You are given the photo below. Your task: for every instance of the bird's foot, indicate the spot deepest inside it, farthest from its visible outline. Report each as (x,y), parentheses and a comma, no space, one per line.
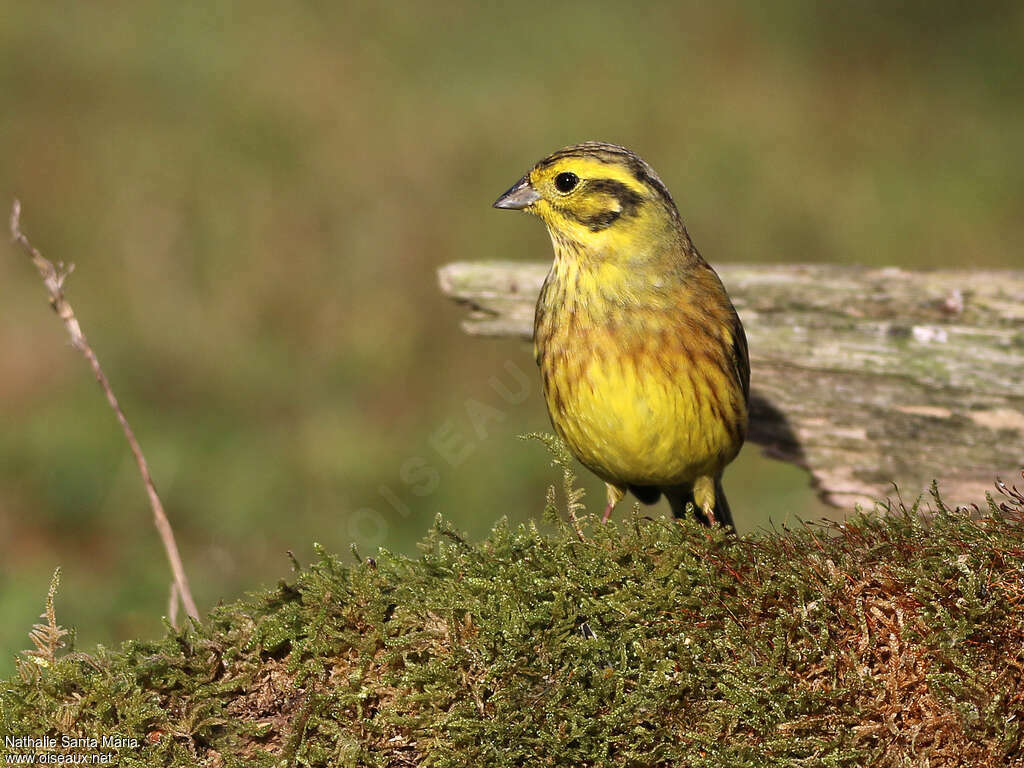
(607,513)
(615,494)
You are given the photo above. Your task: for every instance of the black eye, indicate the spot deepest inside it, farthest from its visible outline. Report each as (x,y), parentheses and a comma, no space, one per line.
(565,182)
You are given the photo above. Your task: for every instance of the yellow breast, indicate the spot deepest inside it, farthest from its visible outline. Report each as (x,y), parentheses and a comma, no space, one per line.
(639,391)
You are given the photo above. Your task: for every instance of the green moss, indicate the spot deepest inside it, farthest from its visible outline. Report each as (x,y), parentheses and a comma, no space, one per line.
(650,642)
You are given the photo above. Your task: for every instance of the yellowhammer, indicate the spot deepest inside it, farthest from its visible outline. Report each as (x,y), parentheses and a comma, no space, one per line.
(643,357)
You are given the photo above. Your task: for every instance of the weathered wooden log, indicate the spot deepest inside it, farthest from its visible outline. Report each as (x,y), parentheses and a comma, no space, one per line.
(866,377)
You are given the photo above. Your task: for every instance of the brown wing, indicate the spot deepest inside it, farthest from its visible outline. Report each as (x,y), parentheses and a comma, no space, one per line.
(740,356)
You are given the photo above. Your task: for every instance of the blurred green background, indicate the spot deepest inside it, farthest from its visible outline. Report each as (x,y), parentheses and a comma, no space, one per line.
(257,195)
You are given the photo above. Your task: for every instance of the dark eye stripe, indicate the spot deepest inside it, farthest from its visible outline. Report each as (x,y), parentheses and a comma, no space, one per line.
(629,201)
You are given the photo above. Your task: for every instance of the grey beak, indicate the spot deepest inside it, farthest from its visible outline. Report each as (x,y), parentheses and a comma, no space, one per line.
(520,195)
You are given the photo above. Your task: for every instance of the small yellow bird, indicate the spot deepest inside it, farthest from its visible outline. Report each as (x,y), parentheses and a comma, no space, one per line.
(643,357)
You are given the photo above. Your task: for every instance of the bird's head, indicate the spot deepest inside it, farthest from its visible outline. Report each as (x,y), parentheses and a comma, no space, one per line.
(599,197)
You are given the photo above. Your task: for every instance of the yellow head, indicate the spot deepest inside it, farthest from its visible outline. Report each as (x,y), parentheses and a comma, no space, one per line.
(600,200)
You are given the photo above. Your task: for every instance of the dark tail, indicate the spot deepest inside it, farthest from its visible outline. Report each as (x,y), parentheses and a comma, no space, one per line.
(682,495)
(723,514)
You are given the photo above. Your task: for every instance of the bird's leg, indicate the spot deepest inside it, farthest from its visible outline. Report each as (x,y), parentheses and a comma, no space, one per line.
(615,494)
(704,498)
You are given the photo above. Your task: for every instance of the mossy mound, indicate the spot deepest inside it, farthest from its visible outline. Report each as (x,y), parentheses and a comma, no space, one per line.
(889,640)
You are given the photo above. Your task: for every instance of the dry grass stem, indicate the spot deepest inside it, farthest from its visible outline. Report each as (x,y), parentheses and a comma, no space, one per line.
(53,278)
